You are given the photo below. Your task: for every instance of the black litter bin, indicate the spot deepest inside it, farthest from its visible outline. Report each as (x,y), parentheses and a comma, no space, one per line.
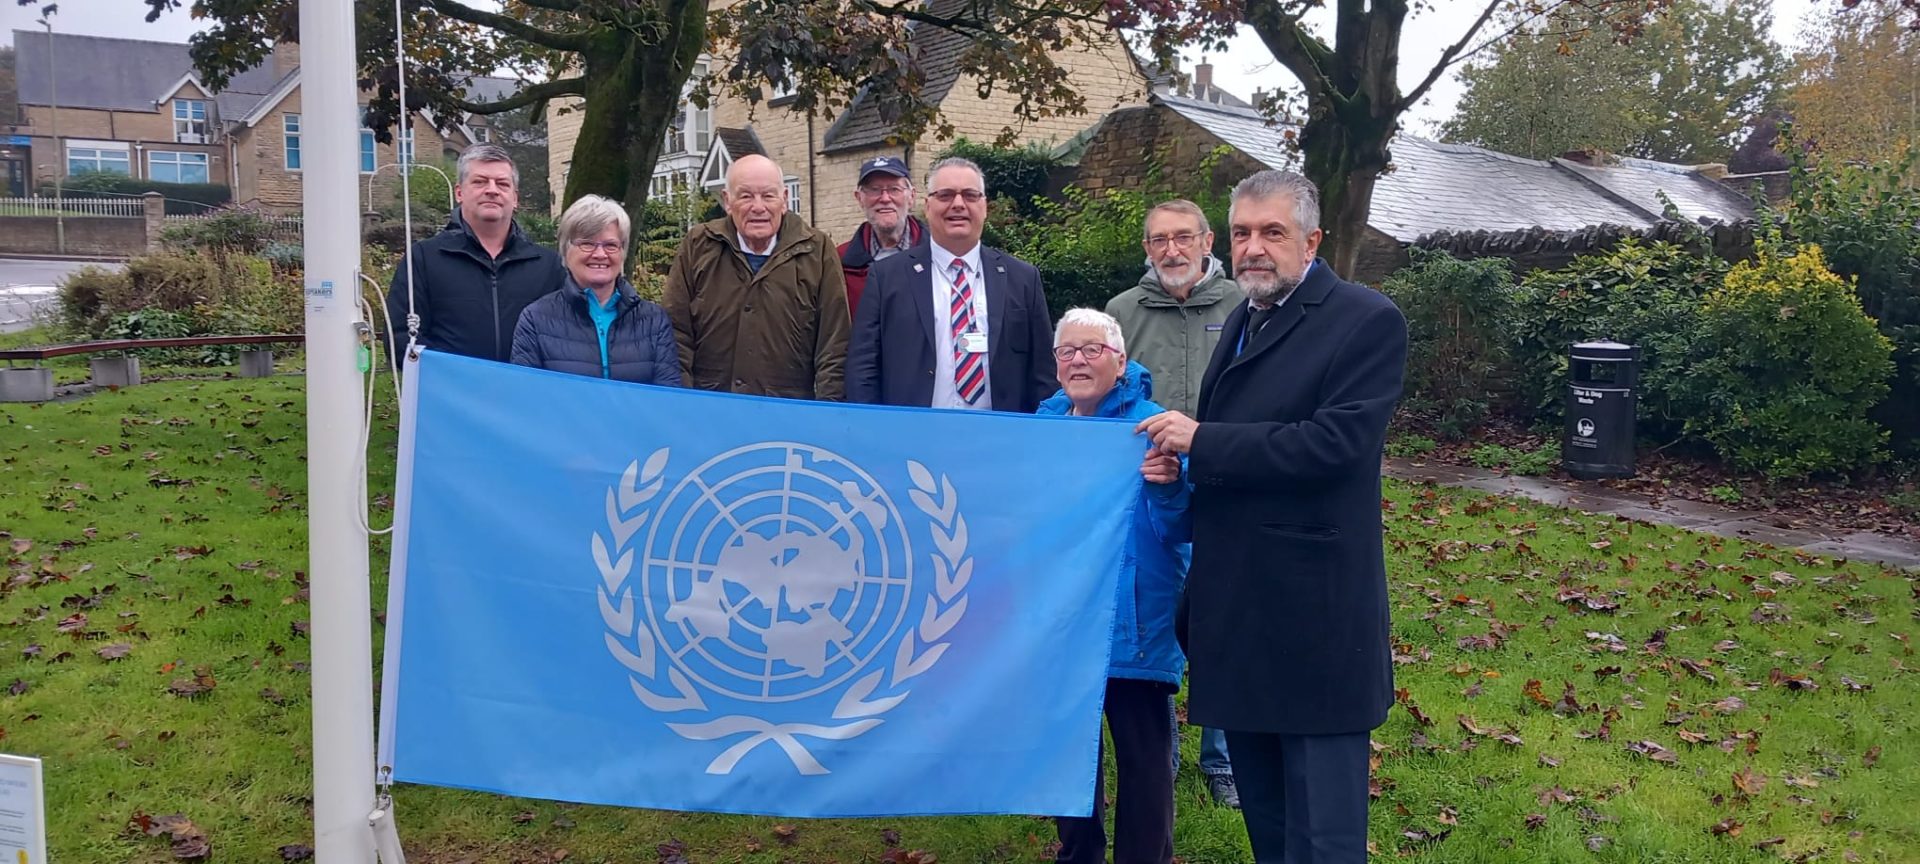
(1600,409)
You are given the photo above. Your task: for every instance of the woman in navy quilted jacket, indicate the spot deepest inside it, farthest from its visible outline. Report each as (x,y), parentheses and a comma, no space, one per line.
(595,324)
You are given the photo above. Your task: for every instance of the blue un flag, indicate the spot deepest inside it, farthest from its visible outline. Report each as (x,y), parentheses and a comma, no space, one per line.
(619,594)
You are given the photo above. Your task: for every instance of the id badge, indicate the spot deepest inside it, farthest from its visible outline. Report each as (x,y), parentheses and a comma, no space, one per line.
(973,342)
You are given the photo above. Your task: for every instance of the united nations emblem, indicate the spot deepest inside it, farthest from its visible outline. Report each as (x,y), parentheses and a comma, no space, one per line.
(778,575)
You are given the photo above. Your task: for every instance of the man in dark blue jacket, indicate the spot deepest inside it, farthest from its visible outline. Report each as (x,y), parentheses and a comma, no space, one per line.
(471,280)
(1286,612)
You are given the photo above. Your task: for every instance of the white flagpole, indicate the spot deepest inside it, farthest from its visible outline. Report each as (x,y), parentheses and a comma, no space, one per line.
(342,634)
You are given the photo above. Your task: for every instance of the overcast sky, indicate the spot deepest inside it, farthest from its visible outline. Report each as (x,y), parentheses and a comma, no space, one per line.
(1244,67)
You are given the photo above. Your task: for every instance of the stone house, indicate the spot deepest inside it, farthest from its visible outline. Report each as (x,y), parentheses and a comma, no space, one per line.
(821,158)
(1434,190)
(137,108)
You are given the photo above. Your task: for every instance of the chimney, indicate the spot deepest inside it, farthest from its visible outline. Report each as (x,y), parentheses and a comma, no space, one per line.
(286,57)
(1202,79)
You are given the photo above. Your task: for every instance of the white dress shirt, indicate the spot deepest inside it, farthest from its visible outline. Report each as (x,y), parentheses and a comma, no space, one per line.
(946,392)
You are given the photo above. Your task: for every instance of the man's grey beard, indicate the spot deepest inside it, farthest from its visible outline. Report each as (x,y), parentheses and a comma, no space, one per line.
(1267,295)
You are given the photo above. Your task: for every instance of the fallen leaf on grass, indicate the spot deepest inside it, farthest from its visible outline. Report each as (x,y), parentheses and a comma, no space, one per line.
(18,687)
(1653,750)
(201,682)
(1730,705)
(1770,841)
(671,852)
(75,623)
(296,852)
(1692,737)
(1855,686)
(523,817)
(116,651)
(1728,827)
(786,834)
(889,837)
(1597,842)
(1548,761)
(1796,683)
(1749,781)
(1420,836)
(1536,821)
(1798,782)
(1556,795)
(1725,645)
(31,651)
(1872,756)
(184,553)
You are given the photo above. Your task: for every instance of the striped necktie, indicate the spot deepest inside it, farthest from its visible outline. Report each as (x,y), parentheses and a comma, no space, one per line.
(969,367)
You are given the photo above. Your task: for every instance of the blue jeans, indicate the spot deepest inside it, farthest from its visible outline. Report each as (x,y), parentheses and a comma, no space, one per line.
(1213,751)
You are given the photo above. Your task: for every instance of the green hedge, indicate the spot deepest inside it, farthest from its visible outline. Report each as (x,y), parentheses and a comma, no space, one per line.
(183,199)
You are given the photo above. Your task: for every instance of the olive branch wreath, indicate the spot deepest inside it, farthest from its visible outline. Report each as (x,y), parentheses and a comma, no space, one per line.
(629,506)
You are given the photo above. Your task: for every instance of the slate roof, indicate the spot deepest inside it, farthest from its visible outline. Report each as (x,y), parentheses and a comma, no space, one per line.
(120,74)
(939,50)
(739,142)
(487,88)
(1457,187)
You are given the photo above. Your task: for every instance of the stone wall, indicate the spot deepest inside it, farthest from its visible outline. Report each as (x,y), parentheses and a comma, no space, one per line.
(94,236)
(1133,141)
(106,236)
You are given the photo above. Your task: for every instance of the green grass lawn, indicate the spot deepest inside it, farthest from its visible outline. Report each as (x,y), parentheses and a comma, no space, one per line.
(1576,688)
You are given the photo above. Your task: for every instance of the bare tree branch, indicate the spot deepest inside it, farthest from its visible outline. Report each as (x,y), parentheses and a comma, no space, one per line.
(513,27)
(526,96)
(1301,52)
(1449,57)
(554,5)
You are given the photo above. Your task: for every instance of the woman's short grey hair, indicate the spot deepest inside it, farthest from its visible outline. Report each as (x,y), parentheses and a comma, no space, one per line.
(484,153)
(1108,326)
(591,215)
(958,162)
(1178,205)
(1267,184)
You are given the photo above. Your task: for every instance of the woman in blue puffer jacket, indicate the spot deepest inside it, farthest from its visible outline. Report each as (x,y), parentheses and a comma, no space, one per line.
(595,324)
(1097,380)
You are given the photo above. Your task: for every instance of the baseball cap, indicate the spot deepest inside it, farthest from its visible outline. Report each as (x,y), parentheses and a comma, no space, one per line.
(882,165)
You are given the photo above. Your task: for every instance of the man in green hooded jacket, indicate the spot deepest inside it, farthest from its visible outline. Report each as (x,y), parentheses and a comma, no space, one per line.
(1171,321)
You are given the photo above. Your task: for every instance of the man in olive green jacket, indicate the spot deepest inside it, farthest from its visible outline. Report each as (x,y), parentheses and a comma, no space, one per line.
(1172,320)
(1173,317)
(757,298)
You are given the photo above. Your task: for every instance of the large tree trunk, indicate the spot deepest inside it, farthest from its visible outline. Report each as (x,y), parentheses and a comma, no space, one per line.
(1344,158)
(633,92)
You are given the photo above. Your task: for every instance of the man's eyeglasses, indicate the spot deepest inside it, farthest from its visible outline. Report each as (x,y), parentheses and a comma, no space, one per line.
(946,196)
(587,247)
(1183,240)
(1091,351)
(901,191)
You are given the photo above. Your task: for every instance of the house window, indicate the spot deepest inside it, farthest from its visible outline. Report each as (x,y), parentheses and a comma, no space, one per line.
(169,167)
(189,121)
(290,127)
(793,194)
(481,134)
(99,159)
(405,143)
(676,141)
(702,129)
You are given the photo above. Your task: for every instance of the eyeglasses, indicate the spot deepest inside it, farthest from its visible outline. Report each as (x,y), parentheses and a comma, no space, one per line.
(1183,240)
(1091,351)
(946,196)
(587,247)
(900,191)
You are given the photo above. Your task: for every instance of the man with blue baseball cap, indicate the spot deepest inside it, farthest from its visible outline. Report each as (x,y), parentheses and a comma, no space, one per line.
(884,193)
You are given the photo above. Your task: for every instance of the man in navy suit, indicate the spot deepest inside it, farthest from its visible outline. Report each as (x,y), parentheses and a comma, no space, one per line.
(953,324)
(1286,606)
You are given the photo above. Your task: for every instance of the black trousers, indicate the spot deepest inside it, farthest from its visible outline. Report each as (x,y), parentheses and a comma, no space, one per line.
(1304,797)
(1139,716)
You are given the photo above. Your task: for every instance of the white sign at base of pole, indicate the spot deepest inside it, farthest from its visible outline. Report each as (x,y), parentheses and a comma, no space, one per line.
(23,811)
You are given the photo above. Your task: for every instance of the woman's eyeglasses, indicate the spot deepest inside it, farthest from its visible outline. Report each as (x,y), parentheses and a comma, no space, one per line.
(1091,351)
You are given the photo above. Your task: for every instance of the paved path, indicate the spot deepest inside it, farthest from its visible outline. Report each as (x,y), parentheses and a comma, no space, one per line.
(1691,515)
(28,288)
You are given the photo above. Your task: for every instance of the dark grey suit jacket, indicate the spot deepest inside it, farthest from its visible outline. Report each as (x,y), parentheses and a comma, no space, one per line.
(890,359)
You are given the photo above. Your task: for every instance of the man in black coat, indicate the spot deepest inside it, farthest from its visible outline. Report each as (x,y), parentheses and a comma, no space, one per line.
(1286,612)
(471,280)
(953,323)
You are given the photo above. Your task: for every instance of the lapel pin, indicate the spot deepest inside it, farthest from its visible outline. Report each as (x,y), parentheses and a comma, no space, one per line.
(998,269)
(919,269)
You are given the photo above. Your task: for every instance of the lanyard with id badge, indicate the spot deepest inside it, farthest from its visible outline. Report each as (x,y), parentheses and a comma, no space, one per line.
(974,340)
